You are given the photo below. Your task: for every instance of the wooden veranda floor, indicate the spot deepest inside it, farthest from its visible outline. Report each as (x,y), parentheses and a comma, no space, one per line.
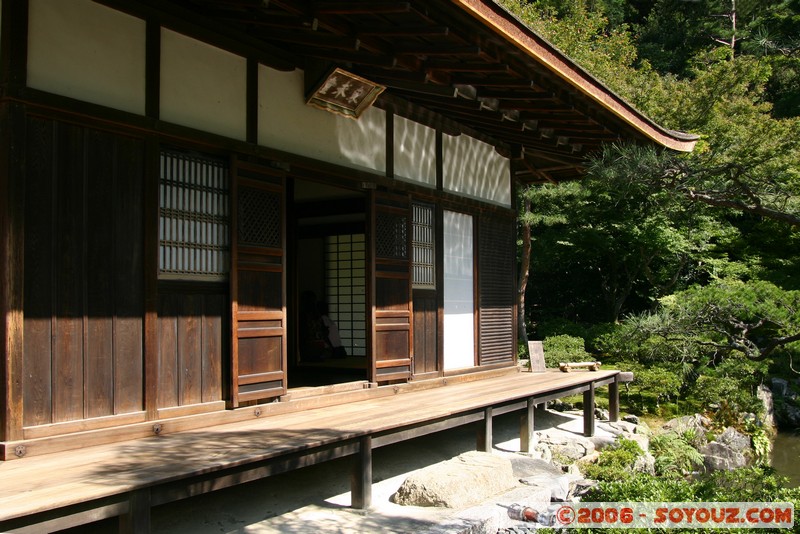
(126,479)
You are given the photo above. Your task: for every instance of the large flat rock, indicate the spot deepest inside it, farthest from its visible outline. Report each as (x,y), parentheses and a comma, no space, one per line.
(467,479)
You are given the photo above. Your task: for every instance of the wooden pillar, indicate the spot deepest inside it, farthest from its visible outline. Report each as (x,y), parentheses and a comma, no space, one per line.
(13,74)
(361,477)
(12,216)
(588,411)
(137,520)
(613,400)
(485,431)
(526,427)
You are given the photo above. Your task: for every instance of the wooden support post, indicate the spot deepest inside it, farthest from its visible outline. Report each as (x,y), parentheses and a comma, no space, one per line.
(588,411)
(613,400)
(485,431)
(137,520)
(361,477)
(526,427)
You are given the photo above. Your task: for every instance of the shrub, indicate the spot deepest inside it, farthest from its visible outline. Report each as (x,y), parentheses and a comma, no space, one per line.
(564,348)
(615,462)
(675,456)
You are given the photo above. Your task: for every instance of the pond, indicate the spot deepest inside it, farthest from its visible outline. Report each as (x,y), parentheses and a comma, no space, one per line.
(785,457)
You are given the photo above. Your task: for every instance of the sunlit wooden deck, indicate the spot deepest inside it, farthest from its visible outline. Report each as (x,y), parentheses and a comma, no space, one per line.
(125,479)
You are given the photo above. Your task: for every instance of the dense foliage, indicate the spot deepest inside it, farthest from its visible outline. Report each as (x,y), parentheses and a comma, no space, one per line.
(681,268)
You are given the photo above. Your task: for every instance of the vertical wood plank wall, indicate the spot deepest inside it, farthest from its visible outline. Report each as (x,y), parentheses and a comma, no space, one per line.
(192,328)
(426,323)
(83,287)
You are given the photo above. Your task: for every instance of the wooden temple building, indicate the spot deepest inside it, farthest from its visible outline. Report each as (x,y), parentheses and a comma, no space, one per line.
(183,181)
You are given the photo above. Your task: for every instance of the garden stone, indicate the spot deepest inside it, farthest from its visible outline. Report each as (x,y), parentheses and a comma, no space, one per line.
(696,423)
(735,440)
(601,442)
(720,457)
(642,440)
(631,419)
(624,426)
(765,396)
(568,447)
(602,414)
(467,479)
(645,463)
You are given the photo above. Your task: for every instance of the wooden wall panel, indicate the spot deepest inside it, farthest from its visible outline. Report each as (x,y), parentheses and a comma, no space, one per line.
(189,345)
(68,372)
(168,312)
(84,275)
(259,355)
(128,281)
(425,331)
(38,283)
(211,351)
(100,270)
(192,343)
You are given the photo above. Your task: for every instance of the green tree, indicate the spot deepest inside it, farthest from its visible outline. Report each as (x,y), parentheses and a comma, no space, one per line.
(754,319)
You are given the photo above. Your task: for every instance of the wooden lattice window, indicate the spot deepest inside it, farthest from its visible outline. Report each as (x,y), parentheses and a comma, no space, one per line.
(391,236)
(194,219)
(422,245)
(259,217)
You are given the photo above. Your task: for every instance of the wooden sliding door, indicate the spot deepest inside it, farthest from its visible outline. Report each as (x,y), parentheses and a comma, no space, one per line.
(391,298)
(258,284)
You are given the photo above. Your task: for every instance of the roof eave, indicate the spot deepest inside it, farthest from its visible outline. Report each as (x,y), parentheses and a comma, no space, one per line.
(515,32)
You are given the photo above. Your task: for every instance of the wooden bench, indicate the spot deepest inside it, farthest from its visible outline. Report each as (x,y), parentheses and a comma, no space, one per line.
(126,479)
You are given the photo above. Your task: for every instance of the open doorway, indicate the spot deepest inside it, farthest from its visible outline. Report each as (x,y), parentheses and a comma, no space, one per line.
(328,279)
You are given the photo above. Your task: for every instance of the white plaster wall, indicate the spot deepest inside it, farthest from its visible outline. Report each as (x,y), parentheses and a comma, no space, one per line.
(474,169)
(86,51)
(286,123)
(459,326)
(414,152)
(202,86)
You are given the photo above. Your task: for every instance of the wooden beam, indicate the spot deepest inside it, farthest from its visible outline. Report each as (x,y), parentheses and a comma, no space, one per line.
(361,478)
(501,94)
(312,38)
(358,58)
(613,400)
(405,31)
(12,221)
(434,50)
(485,437)
(444,91)
(472,66)
(588,411)
(152,70)
(137,519)
(494,81)
(526,427)
(13,45)
(361,8)
(150,337)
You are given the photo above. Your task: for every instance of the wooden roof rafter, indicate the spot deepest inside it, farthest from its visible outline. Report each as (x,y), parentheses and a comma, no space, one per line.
(469,61)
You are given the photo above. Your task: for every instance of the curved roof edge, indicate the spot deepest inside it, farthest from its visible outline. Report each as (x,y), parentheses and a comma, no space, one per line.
(514,31)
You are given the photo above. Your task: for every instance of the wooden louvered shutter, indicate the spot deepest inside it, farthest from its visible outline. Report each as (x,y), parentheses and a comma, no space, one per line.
(496,290)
